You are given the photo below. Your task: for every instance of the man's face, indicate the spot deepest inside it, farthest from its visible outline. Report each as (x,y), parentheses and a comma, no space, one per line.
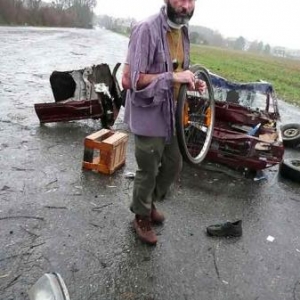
(180,11)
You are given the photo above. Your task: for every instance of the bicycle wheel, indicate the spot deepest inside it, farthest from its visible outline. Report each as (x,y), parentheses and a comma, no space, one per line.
(195,118)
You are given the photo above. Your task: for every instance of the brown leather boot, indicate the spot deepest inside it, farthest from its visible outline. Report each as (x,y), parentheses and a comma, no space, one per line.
(156,215)
(142,226)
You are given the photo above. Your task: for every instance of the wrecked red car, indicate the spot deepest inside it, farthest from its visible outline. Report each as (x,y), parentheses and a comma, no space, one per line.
(233,123)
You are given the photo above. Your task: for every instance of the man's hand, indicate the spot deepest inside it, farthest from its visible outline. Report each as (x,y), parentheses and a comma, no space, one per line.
(193,83)
(200,86)
(184,77)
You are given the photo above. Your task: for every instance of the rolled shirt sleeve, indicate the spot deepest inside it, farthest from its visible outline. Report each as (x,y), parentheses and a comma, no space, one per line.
(144,56)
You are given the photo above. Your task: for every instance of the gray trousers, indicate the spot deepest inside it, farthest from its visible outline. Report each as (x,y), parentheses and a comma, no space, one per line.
(158,166)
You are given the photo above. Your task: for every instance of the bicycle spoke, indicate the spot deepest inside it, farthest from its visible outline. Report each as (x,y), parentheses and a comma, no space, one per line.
(195,120)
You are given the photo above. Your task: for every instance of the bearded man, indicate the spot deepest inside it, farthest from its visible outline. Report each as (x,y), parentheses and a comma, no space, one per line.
(157,64)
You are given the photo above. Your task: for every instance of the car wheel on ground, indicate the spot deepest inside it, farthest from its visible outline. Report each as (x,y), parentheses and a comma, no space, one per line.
(290,169)
(290,134)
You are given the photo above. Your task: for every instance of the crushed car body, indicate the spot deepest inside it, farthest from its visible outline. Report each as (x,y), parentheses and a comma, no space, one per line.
(88,93)
(245,135)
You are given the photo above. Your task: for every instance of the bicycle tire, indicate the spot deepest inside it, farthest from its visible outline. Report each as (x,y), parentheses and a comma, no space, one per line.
(194,128)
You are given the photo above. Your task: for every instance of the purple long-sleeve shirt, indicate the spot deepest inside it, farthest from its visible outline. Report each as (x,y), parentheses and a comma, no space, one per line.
(150,111)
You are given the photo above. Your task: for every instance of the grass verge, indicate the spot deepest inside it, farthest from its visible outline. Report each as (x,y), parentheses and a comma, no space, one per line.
(282,73)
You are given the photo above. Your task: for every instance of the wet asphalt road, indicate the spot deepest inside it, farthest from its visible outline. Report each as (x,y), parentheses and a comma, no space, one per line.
(56,217)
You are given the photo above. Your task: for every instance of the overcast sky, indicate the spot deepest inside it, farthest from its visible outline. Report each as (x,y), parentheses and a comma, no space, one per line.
(276,22)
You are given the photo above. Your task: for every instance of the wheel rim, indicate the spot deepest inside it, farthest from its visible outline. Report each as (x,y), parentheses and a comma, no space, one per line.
(291,132)
(198,129)
(195,127)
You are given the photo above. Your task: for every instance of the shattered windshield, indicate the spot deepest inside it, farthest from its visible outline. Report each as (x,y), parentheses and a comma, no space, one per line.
(253,94)
(252,99)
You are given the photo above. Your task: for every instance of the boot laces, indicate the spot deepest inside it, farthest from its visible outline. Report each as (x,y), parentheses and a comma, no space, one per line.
(144,224)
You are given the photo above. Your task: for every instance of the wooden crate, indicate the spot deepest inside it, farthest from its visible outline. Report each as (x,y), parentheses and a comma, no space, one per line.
(111,151)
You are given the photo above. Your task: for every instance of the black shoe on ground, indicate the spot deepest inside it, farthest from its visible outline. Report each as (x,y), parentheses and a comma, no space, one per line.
(227,229)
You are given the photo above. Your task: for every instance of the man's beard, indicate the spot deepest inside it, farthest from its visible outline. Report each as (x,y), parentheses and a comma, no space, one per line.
(178,18)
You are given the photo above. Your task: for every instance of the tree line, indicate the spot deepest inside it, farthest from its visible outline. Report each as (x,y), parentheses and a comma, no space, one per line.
(198,35)
(58,13)
(206,36)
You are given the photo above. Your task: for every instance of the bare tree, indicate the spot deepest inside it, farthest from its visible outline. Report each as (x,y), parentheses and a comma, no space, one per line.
(33,4)
(240,43)
(78,13)
(62,4)
(88,3)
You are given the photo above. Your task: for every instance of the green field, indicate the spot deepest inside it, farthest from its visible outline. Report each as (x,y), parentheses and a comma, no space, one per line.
(283,74)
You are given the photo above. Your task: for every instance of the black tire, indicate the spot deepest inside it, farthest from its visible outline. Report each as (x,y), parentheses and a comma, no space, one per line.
(290,134)
(116,90)
(290,169)
(193,133)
